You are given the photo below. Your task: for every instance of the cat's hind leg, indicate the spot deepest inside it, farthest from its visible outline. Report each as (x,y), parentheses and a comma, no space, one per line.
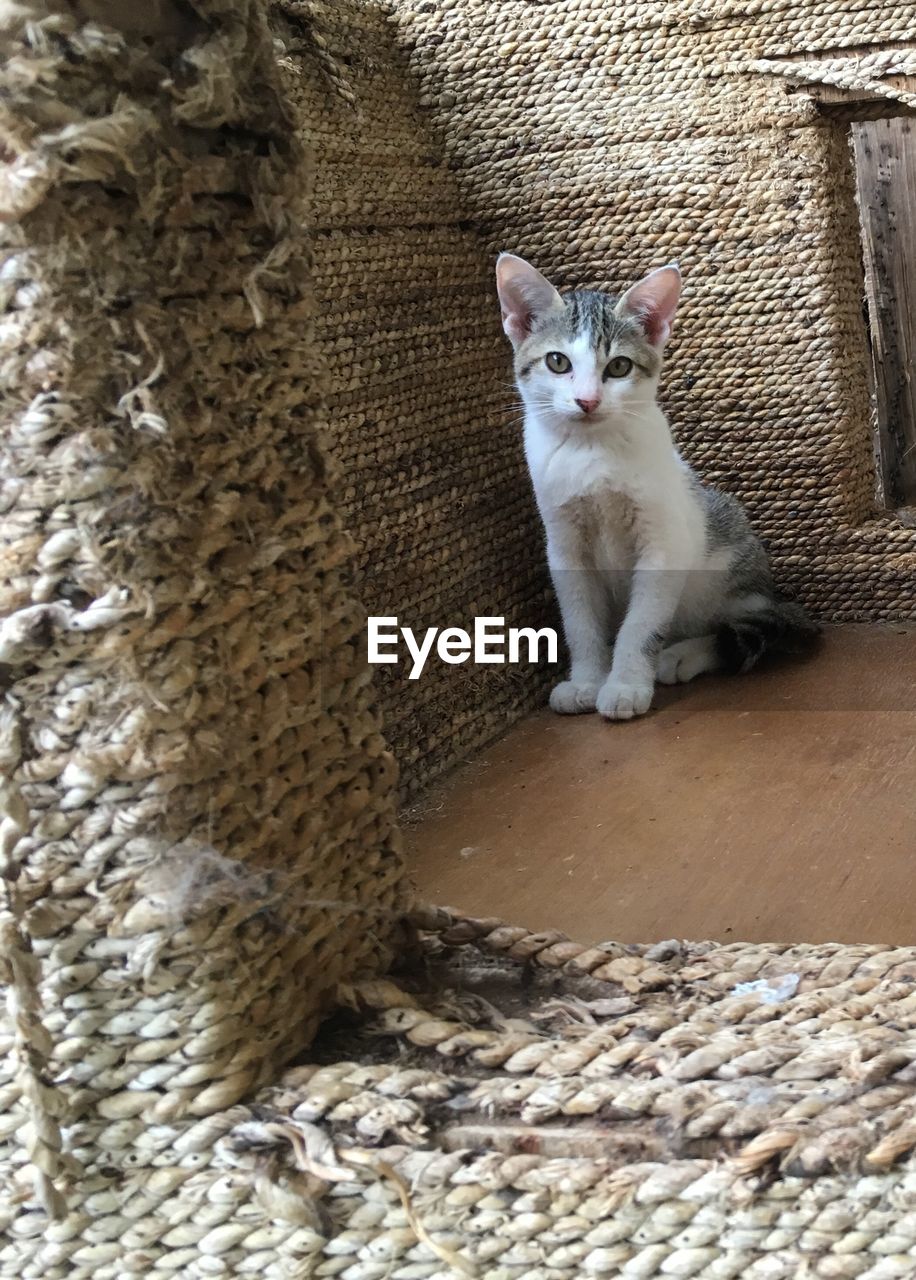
(687,659)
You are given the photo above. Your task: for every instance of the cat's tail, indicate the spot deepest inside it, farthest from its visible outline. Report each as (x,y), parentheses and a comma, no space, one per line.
(780,628)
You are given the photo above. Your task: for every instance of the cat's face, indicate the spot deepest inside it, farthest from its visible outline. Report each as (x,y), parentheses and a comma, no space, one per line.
(585,359)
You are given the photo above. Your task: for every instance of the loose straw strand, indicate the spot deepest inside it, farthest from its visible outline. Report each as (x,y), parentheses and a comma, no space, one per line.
(21,973)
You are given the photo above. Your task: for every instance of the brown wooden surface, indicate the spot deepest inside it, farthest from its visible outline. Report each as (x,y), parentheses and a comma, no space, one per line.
(777,806)
(859,104)
(885,153)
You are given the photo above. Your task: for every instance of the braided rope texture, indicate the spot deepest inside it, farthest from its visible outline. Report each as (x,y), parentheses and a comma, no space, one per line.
(540,1110)
(518,1106)
(197,837)
(426,428)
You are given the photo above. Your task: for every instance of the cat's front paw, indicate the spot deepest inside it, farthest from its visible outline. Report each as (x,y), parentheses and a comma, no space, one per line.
(618,700)
(574,697)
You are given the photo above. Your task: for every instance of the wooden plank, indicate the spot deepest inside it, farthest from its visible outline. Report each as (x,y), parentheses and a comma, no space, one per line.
(829,95)
(775,806)
(885,152)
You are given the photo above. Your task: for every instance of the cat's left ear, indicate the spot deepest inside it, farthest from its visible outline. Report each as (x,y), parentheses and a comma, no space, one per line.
(653,302)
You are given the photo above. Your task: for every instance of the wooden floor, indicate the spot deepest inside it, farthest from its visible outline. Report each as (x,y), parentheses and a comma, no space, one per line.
(780,806)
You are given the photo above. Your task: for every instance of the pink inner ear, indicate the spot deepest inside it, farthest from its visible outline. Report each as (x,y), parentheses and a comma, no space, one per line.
(516,321)
(656,322)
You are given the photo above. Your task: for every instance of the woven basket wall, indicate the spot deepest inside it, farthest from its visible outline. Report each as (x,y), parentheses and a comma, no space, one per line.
(599,140)
(198,838)
(434,487)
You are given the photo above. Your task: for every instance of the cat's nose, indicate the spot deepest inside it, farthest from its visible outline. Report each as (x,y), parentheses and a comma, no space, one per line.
(588,406)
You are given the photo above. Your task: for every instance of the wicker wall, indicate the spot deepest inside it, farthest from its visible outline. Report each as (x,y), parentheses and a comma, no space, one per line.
(198,839)
(434,485)
(601,140)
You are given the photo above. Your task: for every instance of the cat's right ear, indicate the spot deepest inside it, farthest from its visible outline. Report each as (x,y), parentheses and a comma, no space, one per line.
(524,296)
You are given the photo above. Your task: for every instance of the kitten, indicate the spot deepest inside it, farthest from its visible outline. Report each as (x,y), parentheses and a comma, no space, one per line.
(634,539)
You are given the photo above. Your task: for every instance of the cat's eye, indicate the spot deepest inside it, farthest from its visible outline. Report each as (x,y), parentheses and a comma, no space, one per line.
(556,362)
(619,367)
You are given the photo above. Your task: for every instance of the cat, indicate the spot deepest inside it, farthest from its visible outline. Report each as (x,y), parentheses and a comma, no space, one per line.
(634,539)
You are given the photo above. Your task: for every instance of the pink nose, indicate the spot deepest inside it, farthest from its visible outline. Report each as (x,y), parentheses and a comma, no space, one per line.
(588,405)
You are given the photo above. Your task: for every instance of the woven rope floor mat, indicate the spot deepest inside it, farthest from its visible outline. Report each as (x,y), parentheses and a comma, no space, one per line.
(521,1106)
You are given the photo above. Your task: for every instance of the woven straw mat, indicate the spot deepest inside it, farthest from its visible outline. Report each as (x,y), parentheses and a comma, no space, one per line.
(197,838)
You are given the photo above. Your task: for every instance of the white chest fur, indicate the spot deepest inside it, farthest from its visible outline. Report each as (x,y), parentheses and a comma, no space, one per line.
(607,497)
(589,498)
